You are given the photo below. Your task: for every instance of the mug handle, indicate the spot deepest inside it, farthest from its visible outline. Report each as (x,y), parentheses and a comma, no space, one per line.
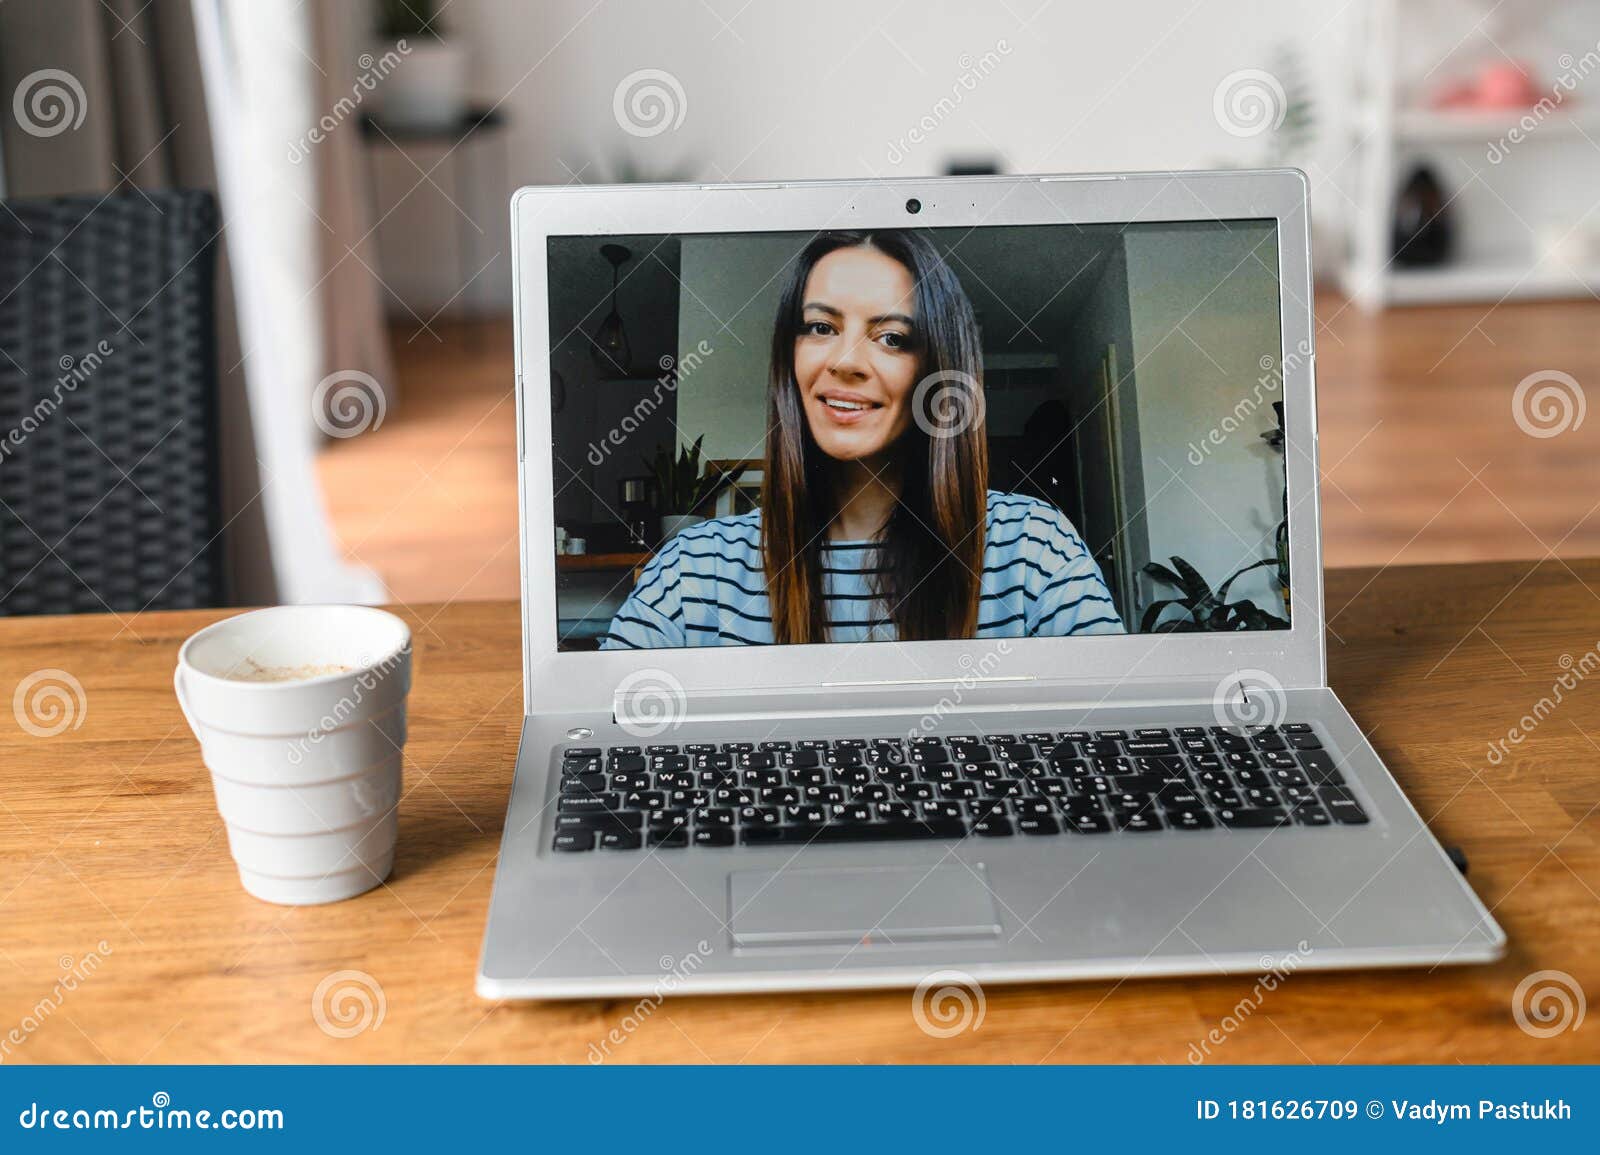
(183,704)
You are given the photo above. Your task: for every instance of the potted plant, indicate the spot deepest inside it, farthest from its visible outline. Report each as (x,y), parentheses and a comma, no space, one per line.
(681,487)
(1202,608)
(428,89)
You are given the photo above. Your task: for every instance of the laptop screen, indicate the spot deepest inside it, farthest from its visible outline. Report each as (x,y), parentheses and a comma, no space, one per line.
(912,434)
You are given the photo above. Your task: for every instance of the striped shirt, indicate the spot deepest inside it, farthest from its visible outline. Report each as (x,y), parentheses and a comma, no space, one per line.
(706,586)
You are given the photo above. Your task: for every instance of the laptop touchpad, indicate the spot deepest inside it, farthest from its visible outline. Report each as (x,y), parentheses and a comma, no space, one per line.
(814,906)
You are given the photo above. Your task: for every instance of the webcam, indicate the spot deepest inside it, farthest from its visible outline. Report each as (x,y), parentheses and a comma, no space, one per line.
(913,205)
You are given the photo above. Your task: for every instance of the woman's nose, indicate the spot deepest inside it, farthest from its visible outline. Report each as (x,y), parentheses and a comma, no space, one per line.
(848,359)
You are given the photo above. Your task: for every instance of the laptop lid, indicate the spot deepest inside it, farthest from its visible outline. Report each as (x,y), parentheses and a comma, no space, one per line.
(709,376)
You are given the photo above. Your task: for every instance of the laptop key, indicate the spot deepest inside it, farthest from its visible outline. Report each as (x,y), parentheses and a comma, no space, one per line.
(1310,814)
(1138,783)
(620,840)
(582,839)
(1038,824)
(1140,823)
(1087,822)
(1253,818)
(993,827)
(666,836)
(589,803)
(718,835)
(1342,805)
(1319,767)
(862,832)
(1190,818)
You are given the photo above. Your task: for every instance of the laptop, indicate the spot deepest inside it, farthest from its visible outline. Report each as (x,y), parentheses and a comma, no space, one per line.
(923,577)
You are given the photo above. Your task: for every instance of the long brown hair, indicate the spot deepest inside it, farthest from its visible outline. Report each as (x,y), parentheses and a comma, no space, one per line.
(930,556)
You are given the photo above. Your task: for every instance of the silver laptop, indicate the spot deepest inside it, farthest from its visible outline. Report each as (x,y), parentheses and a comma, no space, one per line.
(924,576)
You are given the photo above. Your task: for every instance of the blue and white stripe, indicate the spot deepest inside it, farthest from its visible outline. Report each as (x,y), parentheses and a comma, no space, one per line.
(706,586)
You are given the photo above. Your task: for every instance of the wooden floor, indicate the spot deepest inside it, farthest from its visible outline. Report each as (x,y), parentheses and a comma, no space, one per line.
(1423,457)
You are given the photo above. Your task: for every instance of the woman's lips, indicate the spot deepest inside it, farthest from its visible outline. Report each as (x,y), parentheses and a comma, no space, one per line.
(846,410)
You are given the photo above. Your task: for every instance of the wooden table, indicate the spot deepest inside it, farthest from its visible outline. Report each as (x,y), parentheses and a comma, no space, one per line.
(108,833)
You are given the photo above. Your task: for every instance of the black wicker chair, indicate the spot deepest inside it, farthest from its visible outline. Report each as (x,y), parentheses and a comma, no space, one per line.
(109,482)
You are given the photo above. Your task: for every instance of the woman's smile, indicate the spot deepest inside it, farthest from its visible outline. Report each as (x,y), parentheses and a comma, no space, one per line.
(846,408)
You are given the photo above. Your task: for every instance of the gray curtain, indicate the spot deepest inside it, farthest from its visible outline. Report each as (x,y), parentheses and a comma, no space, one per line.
(355,332)
(144,126)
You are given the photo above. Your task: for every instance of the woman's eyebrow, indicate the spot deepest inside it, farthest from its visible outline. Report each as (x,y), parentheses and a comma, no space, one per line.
(877,320)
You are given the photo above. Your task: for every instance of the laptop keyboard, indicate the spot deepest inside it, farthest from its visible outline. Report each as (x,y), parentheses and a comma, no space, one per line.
(831,790)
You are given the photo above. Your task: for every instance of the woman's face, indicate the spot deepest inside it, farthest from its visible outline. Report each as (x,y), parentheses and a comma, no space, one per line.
(855,359)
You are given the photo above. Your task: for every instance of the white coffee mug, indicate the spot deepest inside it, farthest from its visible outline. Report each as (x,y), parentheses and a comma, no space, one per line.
(301,716)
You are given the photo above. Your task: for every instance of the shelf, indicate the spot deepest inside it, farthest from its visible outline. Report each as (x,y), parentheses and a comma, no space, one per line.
(1484,282)
(1424,125)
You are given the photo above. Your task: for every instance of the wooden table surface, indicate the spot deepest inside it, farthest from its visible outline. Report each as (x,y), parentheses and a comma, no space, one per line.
(108,835)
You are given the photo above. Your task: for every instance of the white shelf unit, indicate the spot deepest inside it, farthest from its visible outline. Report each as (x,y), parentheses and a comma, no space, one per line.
(1509,213)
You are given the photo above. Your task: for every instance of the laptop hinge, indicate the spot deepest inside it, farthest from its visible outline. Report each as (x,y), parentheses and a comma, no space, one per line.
(667,704)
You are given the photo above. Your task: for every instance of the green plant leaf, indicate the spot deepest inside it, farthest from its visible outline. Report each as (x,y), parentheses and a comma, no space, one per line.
(1162,574)
(1194,585)
(1152,614)
(1222,590)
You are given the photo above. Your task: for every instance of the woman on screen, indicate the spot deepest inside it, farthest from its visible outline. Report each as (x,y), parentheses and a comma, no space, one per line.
(876,521)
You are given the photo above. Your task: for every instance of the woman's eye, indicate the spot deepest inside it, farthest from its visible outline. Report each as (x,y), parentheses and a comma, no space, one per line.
(816,328)
(893,340)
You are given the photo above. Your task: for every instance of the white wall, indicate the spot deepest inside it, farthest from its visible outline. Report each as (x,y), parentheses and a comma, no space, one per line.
(834,88)
(1205,314)
(736,282)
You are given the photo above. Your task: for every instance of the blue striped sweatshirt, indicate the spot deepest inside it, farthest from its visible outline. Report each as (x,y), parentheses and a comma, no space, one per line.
(706,585)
